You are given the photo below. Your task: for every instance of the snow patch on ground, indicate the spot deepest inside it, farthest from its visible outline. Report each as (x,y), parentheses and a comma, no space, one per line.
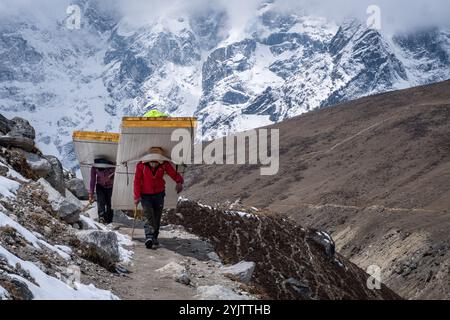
(15,175)
(3,293)
(50,288)
(8,188)
(126,256)
(30,237)
(6,221)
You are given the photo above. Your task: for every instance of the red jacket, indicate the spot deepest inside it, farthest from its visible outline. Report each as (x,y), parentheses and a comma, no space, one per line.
(149,180)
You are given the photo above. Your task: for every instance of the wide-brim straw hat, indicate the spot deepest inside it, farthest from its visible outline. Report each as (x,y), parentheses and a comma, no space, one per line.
(103,165)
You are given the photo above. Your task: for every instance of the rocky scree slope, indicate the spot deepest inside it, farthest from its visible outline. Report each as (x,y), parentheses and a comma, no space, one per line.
(291,262)
(43,252)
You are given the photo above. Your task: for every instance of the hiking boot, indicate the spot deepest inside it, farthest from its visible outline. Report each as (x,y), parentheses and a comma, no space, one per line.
(149,243)
(155,242)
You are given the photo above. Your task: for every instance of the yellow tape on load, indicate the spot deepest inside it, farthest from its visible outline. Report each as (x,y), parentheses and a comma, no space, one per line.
(95,136)
(180,122)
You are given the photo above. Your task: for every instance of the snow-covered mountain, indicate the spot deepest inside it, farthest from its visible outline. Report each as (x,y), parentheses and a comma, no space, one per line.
(280,65)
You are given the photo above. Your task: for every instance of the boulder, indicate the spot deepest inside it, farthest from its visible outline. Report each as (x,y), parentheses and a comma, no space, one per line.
(176,272)
(17,141)
(5,124)
(301,288)
(56,174)
(242,271)
(218,292)
(77,202)
(40,166)
(76,186)
(67,210)
(214,257)
(22,128)
(105,243)
(324,240)
(121,218)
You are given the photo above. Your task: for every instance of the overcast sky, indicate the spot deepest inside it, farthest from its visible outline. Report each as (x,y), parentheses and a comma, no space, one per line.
(396,15)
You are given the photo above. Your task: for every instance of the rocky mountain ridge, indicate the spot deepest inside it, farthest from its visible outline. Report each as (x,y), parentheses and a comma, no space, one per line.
(281,65)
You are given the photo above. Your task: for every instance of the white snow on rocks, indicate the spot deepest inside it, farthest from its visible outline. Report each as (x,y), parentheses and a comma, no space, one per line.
(50,288)
(241,214)
(30,237)
(6,221)
(125,256)
(90,224)
(41,285)
(15,175)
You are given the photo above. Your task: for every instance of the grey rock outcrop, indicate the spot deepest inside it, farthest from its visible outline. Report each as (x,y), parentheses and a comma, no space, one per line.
(40,166)
(76,186)
(17,141)
(56,174)
(17,133)
(105,243)
(67,210)
(22,128)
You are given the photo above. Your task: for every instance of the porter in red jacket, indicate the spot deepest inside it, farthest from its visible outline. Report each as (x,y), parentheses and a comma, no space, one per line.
(149,189)
(149,178)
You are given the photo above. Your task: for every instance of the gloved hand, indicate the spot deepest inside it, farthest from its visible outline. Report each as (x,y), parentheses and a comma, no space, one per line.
(179,187)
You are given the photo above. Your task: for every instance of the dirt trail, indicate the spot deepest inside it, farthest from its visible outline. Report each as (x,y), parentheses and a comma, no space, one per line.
(298,204)
(146,283)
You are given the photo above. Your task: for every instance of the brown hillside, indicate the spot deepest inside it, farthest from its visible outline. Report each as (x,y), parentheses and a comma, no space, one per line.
(375,172)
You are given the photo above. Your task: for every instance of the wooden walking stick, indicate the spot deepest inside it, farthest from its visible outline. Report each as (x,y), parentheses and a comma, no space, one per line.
(134,221)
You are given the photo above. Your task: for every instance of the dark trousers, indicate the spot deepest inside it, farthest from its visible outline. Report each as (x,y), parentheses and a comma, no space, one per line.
(153,205)
(104,203)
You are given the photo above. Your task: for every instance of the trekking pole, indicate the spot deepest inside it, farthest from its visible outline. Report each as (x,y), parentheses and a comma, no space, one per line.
(134,221)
